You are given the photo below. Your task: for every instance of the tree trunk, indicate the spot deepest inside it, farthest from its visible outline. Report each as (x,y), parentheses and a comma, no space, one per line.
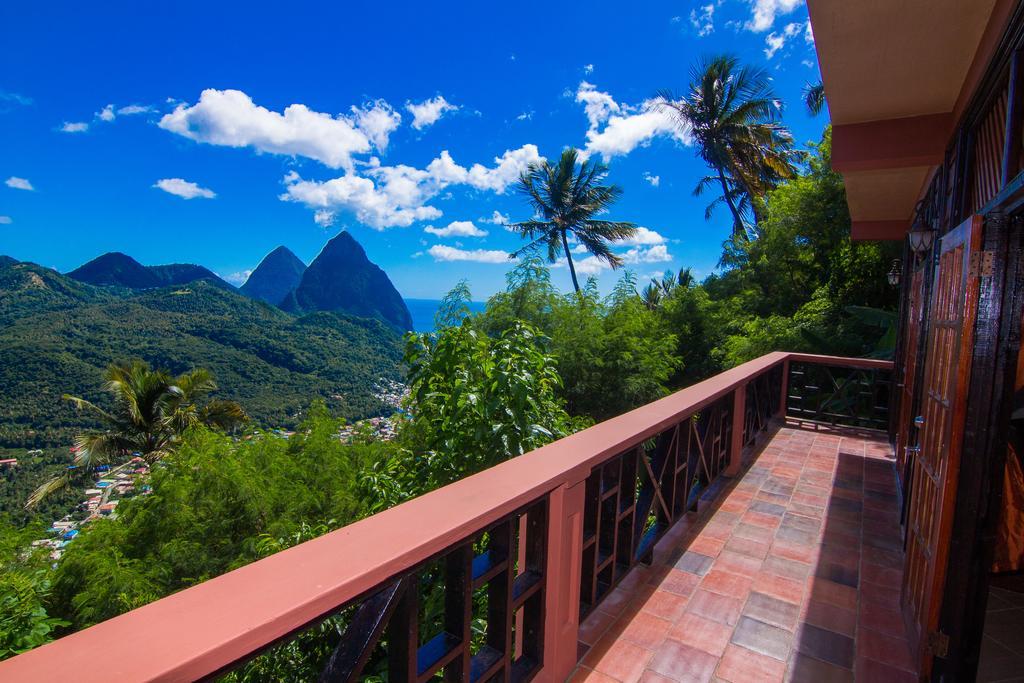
(737,226)
(568,257)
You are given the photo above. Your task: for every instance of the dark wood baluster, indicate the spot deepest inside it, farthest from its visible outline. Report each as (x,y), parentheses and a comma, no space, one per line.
(458,609)
(404,633)
(361,636)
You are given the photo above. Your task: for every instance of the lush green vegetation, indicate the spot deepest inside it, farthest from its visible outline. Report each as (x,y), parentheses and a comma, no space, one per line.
(58,335)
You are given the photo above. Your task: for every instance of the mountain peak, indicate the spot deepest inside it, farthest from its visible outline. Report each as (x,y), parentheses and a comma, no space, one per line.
(115,268)
(341,278)
(275,277)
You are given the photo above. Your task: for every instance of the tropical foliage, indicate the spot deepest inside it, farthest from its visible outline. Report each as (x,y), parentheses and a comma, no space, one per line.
(151,410)
(733,116)
(565,198)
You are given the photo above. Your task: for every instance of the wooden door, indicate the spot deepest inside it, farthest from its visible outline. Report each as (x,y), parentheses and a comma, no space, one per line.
(908,385)
(951,316)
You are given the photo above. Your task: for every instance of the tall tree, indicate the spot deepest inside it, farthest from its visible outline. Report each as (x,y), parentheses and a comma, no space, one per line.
(733,115)
(151,410)
(565,198)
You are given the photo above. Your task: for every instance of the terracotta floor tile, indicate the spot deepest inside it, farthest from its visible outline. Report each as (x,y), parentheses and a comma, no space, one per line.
(585,675)
(680,583)
(740,665)
(623,661)
(804,669)
(746,546)
(763,638)
(594,626)
(707,546)
(735,563)
(683,663)
(694,563)
(645,630)
(790,569)
(826,645)
(868,671)
(754,532)
(651,677)
(664,604)
(827,615)
(885,649)
(725,583)
(790,590)
(720,608)
(703,634)
(833,593)
(873,592)
(880,617)
(772,610)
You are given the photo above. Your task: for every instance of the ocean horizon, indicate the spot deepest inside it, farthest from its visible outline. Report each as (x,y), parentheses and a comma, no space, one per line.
(424,310)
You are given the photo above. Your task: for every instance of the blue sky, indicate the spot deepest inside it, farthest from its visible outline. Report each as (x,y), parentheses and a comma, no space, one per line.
(212,132)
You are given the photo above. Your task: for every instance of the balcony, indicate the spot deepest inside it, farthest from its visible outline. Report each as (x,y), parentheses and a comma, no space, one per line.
(744,528)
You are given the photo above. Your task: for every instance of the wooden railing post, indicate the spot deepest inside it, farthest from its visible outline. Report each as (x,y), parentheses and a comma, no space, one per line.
(562,601)
(739,417)
(784,390)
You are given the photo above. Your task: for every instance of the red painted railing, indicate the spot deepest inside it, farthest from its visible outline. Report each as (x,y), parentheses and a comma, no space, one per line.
(540,513)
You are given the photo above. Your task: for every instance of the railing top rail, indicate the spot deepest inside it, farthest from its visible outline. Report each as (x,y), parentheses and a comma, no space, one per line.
(204,628)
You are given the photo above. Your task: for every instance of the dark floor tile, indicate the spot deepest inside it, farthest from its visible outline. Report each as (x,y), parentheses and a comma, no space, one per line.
(806,669)
(768,508)
(695,563)
(771,610)
(801,523)
(763,638)
(838,572)
(825,645)
(790,569)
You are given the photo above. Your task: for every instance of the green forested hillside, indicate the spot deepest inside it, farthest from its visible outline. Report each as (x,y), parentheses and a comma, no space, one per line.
(57,335)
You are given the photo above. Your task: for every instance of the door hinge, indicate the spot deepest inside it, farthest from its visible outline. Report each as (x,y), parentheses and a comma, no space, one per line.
(981,264)
(938,643)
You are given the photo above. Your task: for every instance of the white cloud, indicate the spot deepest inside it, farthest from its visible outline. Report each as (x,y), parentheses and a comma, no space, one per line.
(107,114)
(238,278)
(625,127)
(428,112)
(654,180)
(74,127)
(441,252)
(457,229)
(776,41)
(655,254)
(525,116)
(643,237)
(134,109)
(497,218)
(703,21)
(398,196)
(184,188)
(765,12)
(19,183)
(597,105)
(588,69)
(377,120)
(230,118)
(809,34)
(5,220)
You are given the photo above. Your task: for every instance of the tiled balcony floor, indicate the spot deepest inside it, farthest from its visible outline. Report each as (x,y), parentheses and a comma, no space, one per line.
(792,574)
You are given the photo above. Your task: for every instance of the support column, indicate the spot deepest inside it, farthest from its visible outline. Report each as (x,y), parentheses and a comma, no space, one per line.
(562,598)
(784,390)
(739,414)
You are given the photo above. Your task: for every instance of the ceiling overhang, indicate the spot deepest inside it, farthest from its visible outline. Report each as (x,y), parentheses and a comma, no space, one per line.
(895,77)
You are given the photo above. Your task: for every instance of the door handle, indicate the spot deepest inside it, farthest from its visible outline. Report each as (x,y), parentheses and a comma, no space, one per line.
(919,421)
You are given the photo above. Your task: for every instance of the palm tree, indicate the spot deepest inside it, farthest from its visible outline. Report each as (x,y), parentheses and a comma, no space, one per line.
(565,198)
(651,295)
(151,410)
(732,114)
(814,97)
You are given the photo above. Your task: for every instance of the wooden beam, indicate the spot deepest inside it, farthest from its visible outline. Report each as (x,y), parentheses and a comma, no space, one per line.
(878,230)
(891,143)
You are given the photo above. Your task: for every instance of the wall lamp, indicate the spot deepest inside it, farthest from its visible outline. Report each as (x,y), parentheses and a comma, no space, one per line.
(893,276)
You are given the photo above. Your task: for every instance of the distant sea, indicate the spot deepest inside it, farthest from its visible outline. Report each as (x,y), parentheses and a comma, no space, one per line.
(423,311)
